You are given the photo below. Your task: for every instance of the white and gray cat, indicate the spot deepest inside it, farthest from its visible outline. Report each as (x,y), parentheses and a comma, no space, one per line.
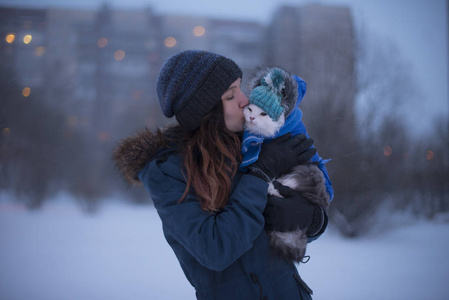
(307,178)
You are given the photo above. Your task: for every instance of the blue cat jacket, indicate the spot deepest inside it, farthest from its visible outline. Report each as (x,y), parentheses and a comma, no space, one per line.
(252,143)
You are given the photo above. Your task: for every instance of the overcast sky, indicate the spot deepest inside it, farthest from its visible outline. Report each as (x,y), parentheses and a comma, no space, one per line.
(418,26)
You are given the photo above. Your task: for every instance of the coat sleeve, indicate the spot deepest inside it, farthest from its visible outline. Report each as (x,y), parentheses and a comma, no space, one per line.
(215,240)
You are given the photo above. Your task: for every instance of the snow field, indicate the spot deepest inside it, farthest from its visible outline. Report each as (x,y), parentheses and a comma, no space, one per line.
(59,253)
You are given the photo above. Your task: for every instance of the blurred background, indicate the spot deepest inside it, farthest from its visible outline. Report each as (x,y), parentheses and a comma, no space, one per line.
(76,77)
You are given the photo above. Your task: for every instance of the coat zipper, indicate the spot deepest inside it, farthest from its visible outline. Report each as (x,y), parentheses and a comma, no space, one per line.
(255,279)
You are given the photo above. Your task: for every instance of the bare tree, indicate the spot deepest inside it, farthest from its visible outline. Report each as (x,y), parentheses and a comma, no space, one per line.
(383,154)
(31,133)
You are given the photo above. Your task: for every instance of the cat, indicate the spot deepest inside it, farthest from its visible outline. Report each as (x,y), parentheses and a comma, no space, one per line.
(277,87)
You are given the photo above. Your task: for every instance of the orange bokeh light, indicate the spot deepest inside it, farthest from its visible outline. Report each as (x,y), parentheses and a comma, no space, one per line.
(6,132)
(199,31)
(10,38)
(170,42)
(26,92)
(119,55)
(102,42)
(388,150)
(39,51)
(27,39)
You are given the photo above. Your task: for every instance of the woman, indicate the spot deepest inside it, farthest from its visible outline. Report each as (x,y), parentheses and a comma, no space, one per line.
(212,214)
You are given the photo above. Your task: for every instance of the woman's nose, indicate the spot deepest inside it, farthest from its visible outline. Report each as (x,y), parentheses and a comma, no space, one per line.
(244,102)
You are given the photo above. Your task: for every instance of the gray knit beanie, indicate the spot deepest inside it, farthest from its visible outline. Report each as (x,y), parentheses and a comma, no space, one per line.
(192,82)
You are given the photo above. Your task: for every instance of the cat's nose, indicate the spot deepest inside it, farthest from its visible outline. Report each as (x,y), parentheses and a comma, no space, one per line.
(251,118)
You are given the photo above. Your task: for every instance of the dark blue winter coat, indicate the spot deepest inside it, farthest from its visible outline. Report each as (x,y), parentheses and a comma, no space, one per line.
(224,255)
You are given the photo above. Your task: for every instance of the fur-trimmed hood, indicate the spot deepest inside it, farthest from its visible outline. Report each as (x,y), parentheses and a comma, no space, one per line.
(131,154)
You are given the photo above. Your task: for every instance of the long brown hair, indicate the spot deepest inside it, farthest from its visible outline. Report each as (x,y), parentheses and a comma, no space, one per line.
(211,157)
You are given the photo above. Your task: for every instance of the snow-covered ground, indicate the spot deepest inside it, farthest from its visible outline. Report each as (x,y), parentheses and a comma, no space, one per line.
(59,253)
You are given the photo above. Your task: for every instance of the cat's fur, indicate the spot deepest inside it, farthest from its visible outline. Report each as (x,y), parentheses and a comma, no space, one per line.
(307,178)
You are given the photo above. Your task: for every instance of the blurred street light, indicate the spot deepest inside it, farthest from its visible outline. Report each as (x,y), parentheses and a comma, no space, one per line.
(27,39)
(199,31)
(387,150)
(429,154)
(170,42)
(102,42)
(39,51)
(26,92)
(10,38)
(119,55)
(6,132)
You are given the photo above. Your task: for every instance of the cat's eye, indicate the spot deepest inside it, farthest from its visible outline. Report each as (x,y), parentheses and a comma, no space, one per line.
(263,114)
(250,109)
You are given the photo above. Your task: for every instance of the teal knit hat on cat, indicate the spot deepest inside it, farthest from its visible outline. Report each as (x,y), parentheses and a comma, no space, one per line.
(268,95)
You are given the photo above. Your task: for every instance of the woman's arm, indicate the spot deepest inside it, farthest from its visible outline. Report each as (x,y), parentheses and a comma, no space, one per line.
(216,240)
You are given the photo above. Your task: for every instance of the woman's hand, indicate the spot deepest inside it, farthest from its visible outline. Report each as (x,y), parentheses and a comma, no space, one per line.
(292,212)
(282,154)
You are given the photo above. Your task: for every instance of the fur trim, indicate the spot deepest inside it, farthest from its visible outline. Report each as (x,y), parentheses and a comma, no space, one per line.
(289,245)
(290,92)
(309,180)
(132,154)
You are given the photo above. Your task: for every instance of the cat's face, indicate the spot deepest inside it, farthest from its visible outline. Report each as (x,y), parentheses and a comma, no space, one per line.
(259,122)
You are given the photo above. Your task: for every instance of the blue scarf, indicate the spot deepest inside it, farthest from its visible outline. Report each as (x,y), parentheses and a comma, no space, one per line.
(252,143)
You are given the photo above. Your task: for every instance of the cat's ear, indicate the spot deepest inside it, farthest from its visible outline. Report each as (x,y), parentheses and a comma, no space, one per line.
(256,78)
(290,94)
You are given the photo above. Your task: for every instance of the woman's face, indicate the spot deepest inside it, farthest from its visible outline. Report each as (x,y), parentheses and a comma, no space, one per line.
(233,103)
